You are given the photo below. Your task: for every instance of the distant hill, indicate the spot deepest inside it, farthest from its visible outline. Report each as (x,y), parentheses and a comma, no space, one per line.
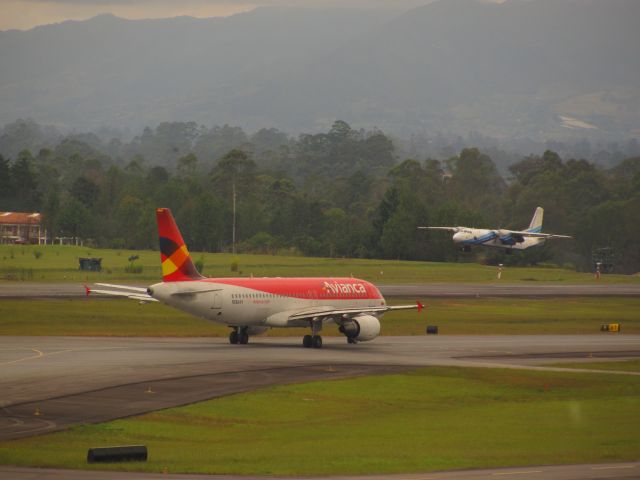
(540,68)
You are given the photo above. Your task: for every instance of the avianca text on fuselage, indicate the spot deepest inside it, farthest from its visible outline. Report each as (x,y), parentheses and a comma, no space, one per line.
(352,288)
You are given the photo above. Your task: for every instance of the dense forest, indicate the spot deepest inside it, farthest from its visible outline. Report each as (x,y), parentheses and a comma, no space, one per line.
(340,193)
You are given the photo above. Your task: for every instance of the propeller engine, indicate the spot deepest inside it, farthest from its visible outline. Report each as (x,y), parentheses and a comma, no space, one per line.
(509,238)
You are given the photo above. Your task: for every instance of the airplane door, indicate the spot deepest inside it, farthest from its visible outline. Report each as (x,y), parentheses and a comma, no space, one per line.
(217,300)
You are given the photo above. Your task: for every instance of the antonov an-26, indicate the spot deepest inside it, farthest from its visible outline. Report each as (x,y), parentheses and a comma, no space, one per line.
(465,237)
(250,306)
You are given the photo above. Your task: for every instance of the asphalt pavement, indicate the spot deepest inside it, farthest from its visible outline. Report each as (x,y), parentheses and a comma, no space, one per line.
(427,290)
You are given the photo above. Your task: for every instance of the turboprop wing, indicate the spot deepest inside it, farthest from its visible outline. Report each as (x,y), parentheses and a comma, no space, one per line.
(447,229)
(525,233)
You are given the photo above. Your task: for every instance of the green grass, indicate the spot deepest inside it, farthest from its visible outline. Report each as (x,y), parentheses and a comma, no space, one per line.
(577,315)
(120,317)
(624,365)
(60,263)
(433,419)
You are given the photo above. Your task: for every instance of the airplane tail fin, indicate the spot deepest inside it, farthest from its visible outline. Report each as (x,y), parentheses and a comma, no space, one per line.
(176,261)
(536,222)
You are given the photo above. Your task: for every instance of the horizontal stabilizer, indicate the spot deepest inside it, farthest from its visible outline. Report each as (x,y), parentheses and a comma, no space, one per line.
(123,287)
(125,292)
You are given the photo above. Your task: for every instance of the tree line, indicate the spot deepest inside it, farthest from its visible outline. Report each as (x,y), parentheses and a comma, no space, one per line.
(340,193)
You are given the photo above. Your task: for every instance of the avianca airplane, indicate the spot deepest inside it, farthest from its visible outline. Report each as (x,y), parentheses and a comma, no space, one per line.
(250,306)
(465,237)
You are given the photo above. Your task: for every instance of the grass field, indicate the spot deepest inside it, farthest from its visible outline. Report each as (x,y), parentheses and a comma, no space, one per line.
(624,365)
(60,263)
(118,317)
(433,419)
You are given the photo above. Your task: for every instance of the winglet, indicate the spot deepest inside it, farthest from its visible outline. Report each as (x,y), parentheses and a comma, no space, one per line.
(87,290)
(420,306)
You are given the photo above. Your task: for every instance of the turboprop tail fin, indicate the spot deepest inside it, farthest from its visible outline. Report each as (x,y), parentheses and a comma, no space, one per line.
(176,261)
(536,222)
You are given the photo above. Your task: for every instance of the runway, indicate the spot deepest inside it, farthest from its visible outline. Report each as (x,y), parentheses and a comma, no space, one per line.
(19,290)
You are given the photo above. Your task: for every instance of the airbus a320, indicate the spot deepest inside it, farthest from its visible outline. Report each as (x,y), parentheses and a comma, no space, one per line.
(250,306)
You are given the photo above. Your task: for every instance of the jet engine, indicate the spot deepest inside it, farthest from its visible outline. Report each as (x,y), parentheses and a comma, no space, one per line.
(361,328)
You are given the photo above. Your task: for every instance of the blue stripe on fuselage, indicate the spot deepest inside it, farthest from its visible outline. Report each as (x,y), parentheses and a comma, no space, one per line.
(479,240)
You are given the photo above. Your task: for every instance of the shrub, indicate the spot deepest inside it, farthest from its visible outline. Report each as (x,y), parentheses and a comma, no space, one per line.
(133,268)
(234,264)
(199,264)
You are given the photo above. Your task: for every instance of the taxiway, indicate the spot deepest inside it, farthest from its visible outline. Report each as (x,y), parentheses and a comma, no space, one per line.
(50,383)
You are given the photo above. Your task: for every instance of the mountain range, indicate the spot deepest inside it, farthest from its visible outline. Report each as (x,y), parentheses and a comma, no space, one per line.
(543,69)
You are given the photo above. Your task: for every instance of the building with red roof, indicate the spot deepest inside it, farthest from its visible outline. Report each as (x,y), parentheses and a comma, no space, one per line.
(21,227)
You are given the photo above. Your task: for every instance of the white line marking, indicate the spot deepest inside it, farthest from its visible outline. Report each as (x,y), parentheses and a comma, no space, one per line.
(613,467)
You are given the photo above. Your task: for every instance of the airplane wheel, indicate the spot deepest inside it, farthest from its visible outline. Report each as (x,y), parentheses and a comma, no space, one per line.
(351,340)
(316,341)
(233,338)
(307,341)
(243,338)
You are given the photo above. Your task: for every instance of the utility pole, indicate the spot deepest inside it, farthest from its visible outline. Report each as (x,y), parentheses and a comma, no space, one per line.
(233,234)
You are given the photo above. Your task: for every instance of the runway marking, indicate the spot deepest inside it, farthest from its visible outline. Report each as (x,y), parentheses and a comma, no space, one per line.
(613,467)
(41,354)
(523,472)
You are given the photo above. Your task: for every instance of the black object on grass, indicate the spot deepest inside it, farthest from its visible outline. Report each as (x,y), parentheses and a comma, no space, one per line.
(127,453)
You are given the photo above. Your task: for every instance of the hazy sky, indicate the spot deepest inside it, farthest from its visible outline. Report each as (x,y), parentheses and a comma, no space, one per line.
(25,14)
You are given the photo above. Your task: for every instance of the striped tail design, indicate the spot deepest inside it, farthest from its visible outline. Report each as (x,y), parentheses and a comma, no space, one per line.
(176,261)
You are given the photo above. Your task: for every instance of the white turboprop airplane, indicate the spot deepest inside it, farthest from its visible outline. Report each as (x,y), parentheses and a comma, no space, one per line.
(250,306)
(510,240)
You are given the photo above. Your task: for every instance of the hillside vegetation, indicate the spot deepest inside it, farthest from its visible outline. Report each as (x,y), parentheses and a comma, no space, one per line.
(509,70)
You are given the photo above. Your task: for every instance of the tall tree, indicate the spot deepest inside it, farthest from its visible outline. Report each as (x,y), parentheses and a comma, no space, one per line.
(25,182)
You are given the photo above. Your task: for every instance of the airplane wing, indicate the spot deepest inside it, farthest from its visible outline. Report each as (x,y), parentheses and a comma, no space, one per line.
(328,312)
(448,229)
(126,291)
(532,234)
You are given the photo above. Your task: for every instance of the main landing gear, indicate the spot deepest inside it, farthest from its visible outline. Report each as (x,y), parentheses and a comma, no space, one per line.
(239,336)
(314,340)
